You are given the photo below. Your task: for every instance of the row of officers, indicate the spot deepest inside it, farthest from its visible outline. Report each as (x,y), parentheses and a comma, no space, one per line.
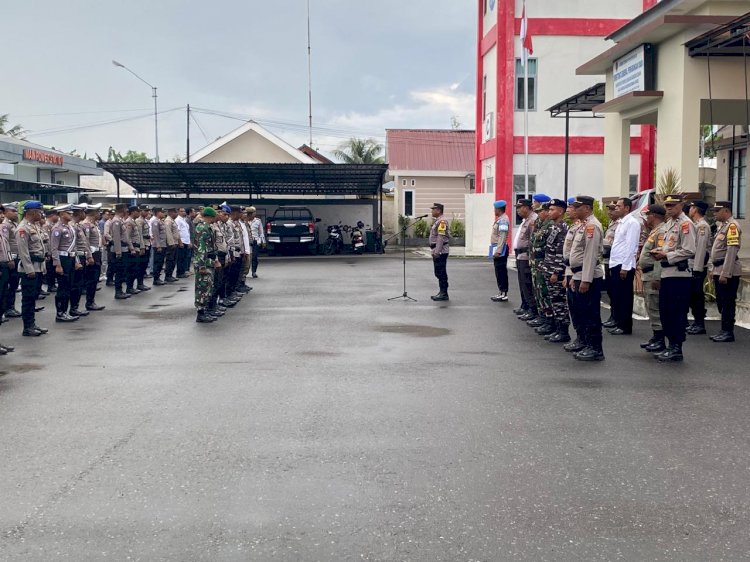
(561,274)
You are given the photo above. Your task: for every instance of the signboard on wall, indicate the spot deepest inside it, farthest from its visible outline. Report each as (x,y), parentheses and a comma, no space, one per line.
(42,157)
(635,71)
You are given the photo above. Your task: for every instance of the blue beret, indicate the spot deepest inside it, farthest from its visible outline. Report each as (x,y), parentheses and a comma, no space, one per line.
(500,204)
(226,208)
(571,200)
(32,205)
(542,198)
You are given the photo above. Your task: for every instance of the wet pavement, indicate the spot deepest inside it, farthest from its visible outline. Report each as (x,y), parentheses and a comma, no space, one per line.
(318,421)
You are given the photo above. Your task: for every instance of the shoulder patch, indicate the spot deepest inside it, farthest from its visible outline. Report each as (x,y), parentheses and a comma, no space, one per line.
(590,229)
(56,233)
(702,230)
(442,228)
(685,227)
(733,235)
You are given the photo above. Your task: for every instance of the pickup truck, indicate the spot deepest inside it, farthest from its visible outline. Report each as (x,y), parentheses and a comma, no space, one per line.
(292,227)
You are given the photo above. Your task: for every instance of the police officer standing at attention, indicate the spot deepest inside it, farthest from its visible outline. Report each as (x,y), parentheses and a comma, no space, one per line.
(651,275)
(142,222)
(120,248)
(8,231)
(159,244)
(173,242)
(577,345)
(134,258)
(93,272)
(84,259)
(522,248)
(63,249)
(699,266)
(31,265)
(676,278)
(440,246)
(588,279)
(499,241)
(727,269)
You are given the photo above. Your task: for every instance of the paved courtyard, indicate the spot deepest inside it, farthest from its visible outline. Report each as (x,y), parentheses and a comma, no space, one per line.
(318,421)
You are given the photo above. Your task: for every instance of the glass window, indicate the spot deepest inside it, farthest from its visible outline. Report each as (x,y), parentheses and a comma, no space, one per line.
(738,182)
(520,85)
(408,203)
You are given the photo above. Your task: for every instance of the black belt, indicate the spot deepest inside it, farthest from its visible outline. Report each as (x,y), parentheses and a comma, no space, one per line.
(576,269)
(680,265)
(719,263)
(606,254)
(433,246)
(37,259)
(647,269)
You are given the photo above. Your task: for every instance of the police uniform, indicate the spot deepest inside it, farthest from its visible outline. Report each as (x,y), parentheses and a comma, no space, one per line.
(159,244)
(554,275)
(93,271)
(440,249)
(8,231)
(143,260)
(121,248)
(110,254)
(5,259)
(576,345)
(650,276)
(219,288)
(726,267)
(585,252)
(30,268)
(522,250)
(63,250)
(49,276)
(173,240)
(499,241)
(84,259)
(699,266)
(676,279)
(237,250)
(134,259)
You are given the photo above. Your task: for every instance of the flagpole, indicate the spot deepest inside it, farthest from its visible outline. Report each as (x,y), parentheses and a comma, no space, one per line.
(526,122)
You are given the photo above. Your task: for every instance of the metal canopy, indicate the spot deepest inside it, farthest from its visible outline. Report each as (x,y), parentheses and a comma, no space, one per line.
(250,179)
(582,102)
(729,40)
(36,188)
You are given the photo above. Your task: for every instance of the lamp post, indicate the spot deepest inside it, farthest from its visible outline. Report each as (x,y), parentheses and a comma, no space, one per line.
(156,112)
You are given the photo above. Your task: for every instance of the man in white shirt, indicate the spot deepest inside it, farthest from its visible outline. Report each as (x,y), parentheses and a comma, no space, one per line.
(622,265)
(183,251)
(259,238)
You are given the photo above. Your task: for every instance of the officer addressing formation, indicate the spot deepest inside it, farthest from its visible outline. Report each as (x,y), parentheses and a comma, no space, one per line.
(64,248)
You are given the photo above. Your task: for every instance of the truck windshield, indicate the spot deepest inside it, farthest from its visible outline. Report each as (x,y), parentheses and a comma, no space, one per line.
(292,214)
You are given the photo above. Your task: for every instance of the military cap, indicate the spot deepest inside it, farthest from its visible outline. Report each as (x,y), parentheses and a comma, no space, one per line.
(501,204)
(439,206)
(542,198)
(546,205)
(121,206)
(158,209)
(702,205)
(144,207)
(722,205)
(133,209)
(558,203)
(30,205)
(584,200)
(208,212)
(657,210)
(171,209)
(673,199)
(251,209)
(10,207)
(523,203)
(64,209)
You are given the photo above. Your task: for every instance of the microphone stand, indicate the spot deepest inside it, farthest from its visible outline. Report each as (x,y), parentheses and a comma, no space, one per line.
(405,296)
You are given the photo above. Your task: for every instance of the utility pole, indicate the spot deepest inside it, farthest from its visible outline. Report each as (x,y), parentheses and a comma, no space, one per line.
(309,73)
(187,152)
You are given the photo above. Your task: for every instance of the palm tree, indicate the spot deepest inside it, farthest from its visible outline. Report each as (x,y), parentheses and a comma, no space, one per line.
(16,131)
(360,151)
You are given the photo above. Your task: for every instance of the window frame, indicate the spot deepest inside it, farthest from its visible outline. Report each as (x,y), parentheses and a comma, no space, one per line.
(413,203)
(735,181)
(533,86)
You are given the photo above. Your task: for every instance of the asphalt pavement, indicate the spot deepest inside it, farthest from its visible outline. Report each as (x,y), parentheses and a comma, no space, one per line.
(319,421)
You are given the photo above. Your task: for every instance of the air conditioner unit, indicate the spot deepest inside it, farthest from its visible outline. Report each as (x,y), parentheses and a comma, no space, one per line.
(489,126)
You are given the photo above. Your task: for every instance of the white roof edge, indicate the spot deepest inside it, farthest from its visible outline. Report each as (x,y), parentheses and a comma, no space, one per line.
(265,133)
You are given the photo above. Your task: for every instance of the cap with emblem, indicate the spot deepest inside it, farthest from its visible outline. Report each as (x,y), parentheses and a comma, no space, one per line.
(438,206)
(158,210)
(501,204)
(64,209)
(546,205)
(144,207)
(673,199)
(133,209)
(30,205)
(722,205)
(542,198)
(558,203)
(657,210)
(584,200)
(121,206)
(208,212)
(702,205)
(523,203)
(10,207)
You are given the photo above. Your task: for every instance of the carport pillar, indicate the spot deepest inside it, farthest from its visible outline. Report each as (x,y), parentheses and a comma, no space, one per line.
(117,181)
(617,156)
(679,129)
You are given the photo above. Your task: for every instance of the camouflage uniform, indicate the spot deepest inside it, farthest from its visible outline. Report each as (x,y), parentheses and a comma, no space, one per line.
(538,243)
(554,264)
(203,261)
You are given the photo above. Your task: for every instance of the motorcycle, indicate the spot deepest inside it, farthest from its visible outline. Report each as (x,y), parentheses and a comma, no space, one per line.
(335,242)
(358,238)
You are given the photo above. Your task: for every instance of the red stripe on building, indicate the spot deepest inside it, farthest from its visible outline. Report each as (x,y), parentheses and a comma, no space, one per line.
(571,27)
(479,108)
(489,41)
(506,71)
(648,134)
(578,145)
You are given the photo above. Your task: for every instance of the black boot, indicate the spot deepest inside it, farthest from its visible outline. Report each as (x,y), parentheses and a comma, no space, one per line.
(562,335)
(658,345)
(528,315)
(547,328)
(574,346)
(537,322)
(697,328)
(440,297)
(589,355)
(672,354)
(658,336)
(723,337)
(203,318)
(92,306)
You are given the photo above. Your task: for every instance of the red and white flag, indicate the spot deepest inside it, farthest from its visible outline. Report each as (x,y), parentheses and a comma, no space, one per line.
(528,46)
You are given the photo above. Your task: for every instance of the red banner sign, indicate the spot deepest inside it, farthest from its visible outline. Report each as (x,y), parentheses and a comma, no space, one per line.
(43,157)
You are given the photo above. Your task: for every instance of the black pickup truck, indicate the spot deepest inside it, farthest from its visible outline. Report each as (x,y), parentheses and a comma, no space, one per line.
(291,227)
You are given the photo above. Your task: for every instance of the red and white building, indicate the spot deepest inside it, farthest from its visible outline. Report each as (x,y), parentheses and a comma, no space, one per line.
(564,34)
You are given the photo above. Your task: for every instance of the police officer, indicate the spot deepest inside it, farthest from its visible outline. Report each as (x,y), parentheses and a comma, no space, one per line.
(8,231)
(727,269)
(576,345)
(173,242)
(159,244)
(220,244)
(588,279)
(63,249)
(522,249)
(699,266)
(134,259)
(93,271)
(609,238)
(499,240)
(676,278)
(440,246)
(31,265)
(49,224)
(143,224)
(554,271)
(651,276)
(120,249)
(84,259)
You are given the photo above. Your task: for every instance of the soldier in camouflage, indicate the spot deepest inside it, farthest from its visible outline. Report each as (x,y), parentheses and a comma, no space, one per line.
(554,271)
(544,324)
(205,262)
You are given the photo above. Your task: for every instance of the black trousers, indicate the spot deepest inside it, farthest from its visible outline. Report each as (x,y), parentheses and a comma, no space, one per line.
(698,297)
(28,299)
(183,263)
(171,261)
(49,276)
(142,266)
(571,306)
(608,283)
(233,275)
(62,296)
(525,285)
(160,255)
(77,283)
(588,313)
(622,298)
(132,267)
(674,302)
(92,278)
(4,276)
(254,261)
(726,300)
(111,268)
(501,273)
(116,266)
(9,301)
(440,265)
(219,290)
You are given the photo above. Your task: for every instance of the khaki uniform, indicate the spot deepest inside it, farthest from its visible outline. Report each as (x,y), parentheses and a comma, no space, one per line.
(726,265)
(440,246)
(585,252)
(522,249)
(676,278)
(651,273)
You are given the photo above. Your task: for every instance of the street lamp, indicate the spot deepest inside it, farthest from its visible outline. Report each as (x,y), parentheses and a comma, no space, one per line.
(156,112)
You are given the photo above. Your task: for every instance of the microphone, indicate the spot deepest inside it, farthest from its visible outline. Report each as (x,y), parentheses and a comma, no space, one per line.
(423,217)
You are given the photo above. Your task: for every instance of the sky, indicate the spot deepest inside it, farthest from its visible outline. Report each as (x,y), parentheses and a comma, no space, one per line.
(376,64)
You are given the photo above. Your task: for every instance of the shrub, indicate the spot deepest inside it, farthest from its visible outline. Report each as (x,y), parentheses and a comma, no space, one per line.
(421,229)
(458,229)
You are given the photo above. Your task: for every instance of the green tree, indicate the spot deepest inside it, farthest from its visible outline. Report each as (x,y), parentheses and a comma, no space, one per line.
(131,156)
(16,131)
(360,151)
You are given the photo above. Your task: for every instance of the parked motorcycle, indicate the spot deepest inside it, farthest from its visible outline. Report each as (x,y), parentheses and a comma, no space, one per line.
(358,238)
(335,242)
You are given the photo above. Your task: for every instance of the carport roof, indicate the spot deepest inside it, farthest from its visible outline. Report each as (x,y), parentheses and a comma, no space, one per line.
(256,179)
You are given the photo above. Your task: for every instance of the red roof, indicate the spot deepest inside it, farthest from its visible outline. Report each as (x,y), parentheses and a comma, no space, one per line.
(312,153)
(431,150)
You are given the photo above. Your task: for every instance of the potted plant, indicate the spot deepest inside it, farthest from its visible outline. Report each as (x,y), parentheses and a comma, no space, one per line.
(458,232)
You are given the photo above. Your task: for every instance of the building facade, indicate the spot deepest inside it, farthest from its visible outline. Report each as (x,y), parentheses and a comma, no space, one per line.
(564,35)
